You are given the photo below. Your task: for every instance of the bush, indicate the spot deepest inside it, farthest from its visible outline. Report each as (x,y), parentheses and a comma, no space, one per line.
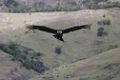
(104,22)
(58,50)
(101,32)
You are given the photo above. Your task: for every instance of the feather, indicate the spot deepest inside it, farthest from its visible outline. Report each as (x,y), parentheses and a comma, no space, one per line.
(42,28)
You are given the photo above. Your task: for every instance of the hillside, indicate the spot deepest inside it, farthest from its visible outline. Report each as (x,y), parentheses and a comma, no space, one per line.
(19,6)
(105,66)
(39,52)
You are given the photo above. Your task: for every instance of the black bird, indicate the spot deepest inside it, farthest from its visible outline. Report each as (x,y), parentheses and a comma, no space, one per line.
(58,33)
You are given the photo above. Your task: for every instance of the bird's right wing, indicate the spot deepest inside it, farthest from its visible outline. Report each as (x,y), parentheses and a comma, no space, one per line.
(42,28)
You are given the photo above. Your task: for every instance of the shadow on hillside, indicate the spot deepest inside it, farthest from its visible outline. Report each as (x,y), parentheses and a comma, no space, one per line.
(28,57)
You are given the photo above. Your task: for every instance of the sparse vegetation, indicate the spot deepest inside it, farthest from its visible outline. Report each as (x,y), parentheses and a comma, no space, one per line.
(114,67)
(103,46)
(17,7)
(113,46)
(26,56)
(21,77)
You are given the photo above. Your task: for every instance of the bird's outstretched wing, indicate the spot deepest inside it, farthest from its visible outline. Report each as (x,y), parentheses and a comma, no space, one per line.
(76,28)
(42,28)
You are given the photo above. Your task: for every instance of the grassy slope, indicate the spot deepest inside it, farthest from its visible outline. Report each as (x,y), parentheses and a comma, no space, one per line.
(10,69)
(105,66)
(78,45)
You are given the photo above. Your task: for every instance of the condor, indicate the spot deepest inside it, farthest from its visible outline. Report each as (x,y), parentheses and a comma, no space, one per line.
(58,33)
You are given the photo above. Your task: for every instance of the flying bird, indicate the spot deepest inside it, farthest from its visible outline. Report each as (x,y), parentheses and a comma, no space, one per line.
(58,33)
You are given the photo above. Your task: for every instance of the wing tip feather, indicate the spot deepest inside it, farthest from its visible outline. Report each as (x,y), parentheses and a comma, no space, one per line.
(88,26)
(29,27)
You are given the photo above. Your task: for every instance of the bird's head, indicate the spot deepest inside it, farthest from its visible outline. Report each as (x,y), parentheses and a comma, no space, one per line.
(59,32)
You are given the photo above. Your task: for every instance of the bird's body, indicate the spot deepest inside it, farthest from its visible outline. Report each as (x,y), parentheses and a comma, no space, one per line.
(58,33)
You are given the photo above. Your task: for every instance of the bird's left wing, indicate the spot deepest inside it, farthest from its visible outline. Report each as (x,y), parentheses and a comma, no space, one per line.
(42,28)
(76,28)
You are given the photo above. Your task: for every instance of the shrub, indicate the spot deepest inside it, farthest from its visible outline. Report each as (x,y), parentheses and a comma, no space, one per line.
(104,22)
(101,32)
(58,50)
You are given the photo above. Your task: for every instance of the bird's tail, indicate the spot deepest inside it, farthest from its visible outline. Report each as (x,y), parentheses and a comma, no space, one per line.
(61,39)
